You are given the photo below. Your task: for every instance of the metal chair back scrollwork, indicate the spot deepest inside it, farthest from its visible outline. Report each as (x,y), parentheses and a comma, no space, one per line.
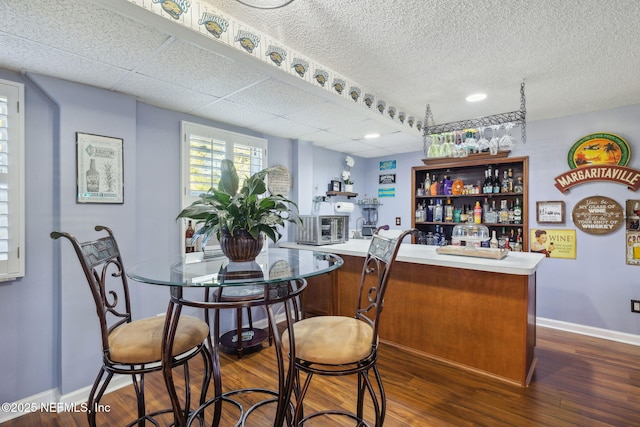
(341,345)
(131,347)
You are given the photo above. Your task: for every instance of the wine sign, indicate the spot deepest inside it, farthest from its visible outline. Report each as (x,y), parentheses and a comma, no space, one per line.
(598,215)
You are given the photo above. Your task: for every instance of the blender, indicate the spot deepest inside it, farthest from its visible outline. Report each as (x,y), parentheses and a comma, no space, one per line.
(370,215)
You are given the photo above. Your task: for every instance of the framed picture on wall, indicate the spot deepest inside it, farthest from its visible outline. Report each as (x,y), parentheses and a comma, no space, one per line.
(99,169)
(550,212)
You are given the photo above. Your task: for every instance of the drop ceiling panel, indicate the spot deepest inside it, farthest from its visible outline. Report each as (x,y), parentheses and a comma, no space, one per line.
(232,113)
(36,58)
(284,127)
(357,129)
(326,115)
(276,97)
(323,138)
(165,95)
(83,29)
(186,65)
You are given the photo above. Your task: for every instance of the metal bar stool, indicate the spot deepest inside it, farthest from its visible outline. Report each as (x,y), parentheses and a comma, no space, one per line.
(340,345)
(133,347)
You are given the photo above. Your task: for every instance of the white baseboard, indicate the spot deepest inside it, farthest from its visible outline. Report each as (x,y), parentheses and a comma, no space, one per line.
(589,331)
(52,399)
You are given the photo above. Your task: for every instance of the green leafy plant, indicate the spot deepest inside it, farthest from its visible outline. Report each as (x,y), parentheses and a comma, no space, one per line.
(227,210)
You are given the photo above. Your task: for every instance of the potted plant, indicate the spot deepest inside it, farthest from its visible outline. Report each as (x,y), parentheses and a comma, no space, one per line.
(346,174)
(239,219)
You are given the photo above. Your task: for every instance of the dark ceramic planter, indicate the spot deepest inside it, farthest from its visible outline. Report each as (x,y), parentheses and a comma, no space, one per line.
(240,246)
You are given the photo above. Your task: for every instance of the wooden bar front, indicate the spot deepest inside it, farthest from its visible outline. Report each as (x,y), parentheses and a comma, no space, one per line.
(479,320)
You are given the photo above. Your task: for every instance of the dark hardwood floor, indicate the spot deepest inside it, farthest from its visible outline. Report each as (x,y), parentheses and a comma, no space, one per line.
(578,381)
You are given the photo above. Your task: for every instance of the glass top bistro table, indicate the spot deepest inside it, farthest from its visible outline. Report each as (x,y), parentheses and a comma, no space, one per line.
(274,280)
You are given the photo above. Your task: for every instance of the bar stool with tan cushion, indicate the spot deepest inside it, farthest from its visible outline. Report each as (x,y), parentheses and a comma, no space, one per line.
(133,347)
(340,345)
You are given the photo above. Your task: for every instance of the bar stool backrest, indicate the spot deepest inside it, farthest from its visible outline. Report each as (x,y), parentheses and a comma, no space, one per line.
(103,268)
(375,278)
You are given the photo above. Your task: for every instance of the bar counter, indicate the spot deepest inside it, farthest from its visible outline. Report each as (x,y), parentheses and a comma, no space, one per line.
(474,313)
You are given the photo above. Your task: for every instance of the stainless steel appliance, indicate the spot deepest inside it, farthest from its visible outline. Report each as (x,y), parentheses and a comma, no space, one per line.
(369,216)
(323,229)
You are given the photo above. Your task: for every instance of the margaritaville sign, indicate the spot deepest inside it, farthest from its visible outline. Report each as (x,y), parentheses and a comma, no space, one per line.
(599,157)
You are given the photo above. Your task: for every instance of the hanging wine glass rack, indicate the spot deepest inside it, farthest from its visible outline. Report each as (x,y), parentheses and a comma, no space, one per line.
(516,117)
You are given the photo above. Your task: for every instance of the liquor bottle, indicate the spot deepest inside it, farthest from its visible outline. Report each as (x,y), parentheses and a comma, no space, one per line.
(434,186)
(518,187)
(511,214)
(427,184)
(510,179)
(437,236)
(448,211)
(517,212)
(502,239)
(487,185)
(470,218)
(517,246)
(188,238)
(93,178)
(496,182)
(447,185)
(464,214)
(419,212)
(504,188)
(429,216)
(485,208)
(494,240)
(504,213)
(437,212)
(477,213)
(491,217)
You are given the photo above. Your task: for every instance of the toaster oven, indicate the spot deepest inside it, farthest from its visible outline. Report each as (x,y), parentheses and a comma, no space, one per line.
(323,229)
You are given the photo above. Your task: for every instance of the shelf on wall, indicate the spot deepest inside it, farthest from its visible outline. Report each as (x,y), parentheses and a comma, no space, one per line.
(346,194)
(435,161)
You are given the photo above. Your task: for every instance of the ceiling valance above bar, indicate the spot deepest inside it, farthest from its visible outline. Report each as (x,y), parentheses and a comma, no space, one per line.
(221,28)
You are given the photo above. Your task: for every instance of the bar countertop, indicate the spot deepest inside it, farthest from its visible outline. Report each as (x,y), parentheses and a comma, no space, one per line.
(518,263)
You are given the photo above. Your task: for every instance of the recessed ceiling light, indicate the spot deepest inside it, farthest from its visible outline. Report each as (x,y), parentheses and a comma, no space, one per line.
(476,97)
(372,135)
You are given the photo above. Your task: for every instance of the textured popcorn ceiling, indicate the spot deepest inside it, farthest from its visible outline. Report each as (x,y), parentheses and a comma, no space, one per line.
(574,56)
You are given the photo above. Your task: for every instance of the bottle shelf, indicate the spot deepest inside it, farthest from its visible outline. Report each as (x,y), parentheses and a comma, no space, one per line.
(479,195)
(472,173)
(488,224)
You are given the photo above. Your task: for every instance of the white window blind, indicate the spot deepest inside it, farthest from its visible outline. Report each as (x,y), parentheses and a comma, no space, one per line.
(11,180)
(204,148)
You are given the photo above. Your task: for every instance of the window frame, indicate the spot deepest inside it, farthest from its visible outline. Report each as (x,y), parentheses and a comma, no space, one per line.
(231,140)
(14,266)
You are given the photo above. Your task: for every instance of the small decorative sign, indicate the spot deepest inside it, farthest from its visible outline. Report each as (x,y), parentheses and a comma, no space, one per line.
(550,212)
(633,232)
(386,192)
(99,169)
(599,157)
(387,165)
(598,215)
(387,178)
(553,243)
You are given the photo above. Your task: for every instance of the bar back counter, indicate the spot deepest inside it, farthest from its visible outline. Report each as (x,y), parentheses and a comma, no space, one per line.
(475,313)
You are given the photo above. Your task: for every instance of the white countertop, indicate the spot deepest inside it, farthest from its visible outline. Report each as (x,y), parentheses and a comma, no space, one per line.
(520,263)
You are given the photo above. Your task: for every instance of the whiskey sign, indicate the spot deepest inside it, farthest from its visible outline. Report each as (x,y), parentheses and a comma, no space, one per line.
(599,157)
(598,215)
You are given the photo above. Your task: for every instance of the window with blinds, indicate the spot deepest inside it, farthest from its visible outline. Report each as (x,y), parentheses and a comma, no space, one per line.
(11,180)
(204,148)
